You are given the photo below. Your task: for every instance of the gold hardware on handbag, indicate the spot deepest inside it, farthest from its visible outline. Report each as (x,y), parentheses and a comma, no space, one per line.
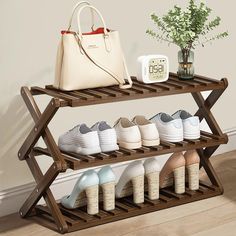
(90,60)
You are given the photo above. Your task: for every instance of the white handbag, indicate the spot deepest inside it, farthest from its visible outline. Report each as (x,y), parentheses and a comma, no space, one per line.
(90,60)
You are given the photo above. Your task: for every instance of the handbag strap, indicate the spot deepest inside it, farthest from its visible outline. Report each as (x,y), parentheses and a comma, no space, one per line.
(117,78)
(73,13)
(128,77)
(107,44)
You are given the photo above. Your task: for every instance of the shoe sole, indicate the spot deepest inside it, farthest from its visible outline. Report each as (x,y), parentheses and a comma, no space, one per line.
(172,138)
(109,148)
(83,151)
(149,143)
(192,135)
(127,145)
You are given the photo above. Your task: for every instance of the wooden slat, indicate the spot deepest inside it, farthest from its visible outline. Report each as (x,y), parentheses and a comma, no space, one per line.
(167,144)
(201,190)
(194,141)
(71,162)
(157,148)
(205,185)
(75,213)
(94,93)
(131,202)
(182,143)
(202,82)
(205,138)
(197,77)
(200,77)
(66,217)
(46,211)
(127,151)
(217,137)
(183,82)
(191,83)
(151,202)
(108,91)
(116,154)
(189,192)
(164,198)
(147,87)
(84,95)
(115,212)
(47,217)
(138,90)
(55,94)
(164,86)
(176,84)
(171,194)
(143,149)
(102,156)
(101,214)
(87,158)
(123,91)
(123,206)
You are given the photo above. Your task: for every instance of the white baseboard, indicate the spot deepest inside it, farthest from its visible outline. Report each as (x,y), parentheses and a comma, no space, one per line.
(12,199)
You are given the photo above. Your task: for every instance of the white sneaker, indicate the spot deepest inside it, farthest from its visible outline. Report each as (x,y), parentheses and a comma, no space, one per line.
(191,124)
(128,134)
(148,130)
(81,139)
(170,129)
(107,136)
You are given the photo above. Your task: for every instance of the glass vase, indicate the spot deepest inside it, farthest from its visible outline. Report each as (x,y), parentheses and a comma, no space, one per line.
(186,68)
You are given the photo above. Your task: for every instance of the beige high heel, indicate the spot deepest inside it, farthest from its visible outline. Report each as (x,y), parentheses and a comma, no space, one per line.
(152,172)
(173,172)
(136,187)
(132,182)
(192,160)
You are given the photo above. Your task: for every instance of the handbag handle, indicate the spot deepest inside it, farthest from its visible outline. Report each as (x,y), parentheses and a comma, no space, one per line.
(73,13)
(106,35)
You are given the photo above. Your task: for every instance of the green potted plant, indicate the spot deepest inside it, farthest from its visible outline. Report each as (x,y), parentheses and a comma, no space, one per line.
(187,29)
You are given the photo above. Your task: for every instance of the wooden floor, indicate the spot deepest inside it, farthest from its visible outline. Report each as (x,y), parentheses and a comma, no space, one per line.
(211,217)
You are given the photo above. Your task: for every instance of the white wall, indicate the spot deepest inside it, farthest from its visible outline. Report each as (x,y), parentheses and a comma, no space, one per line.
(29,33)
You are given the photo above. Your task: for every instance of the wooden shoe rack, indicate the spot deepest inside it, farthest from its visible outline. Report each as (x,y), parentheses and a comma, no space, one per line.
(52,214)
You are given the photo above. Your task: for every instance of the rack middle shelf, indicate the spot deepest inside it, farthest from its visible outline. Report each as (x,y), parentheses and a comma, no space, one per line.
(77,161)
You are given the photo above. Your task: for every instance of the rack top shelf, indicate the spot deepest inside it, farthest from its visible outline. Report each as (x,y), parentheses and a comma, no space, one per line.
(139,90)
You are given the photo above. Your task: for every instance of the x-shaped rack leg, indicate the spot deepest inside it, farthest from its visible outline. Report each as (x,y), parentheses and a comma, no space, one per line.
(204,112)
(43,182)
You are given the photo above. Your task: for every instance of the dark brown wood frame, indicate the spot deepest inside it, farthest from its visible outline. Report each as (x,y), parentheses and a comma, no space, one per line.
(53,215)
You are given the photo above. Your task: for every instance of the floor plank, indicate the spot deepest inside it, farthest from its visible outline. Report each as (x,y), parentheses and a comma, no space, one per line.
(215,216)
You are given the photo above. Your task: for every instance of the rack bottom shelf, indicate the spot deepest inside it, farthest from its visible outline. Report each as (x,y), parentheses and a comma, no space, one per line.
(78,219)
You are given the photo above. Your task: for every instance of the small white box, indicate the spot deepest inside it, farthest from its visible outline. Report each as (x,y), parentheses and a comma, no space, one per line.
(153,68)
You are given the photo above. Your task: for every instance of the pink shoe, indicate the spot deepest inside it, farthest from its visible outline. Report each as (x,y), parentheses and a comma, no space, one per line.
(173,172)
